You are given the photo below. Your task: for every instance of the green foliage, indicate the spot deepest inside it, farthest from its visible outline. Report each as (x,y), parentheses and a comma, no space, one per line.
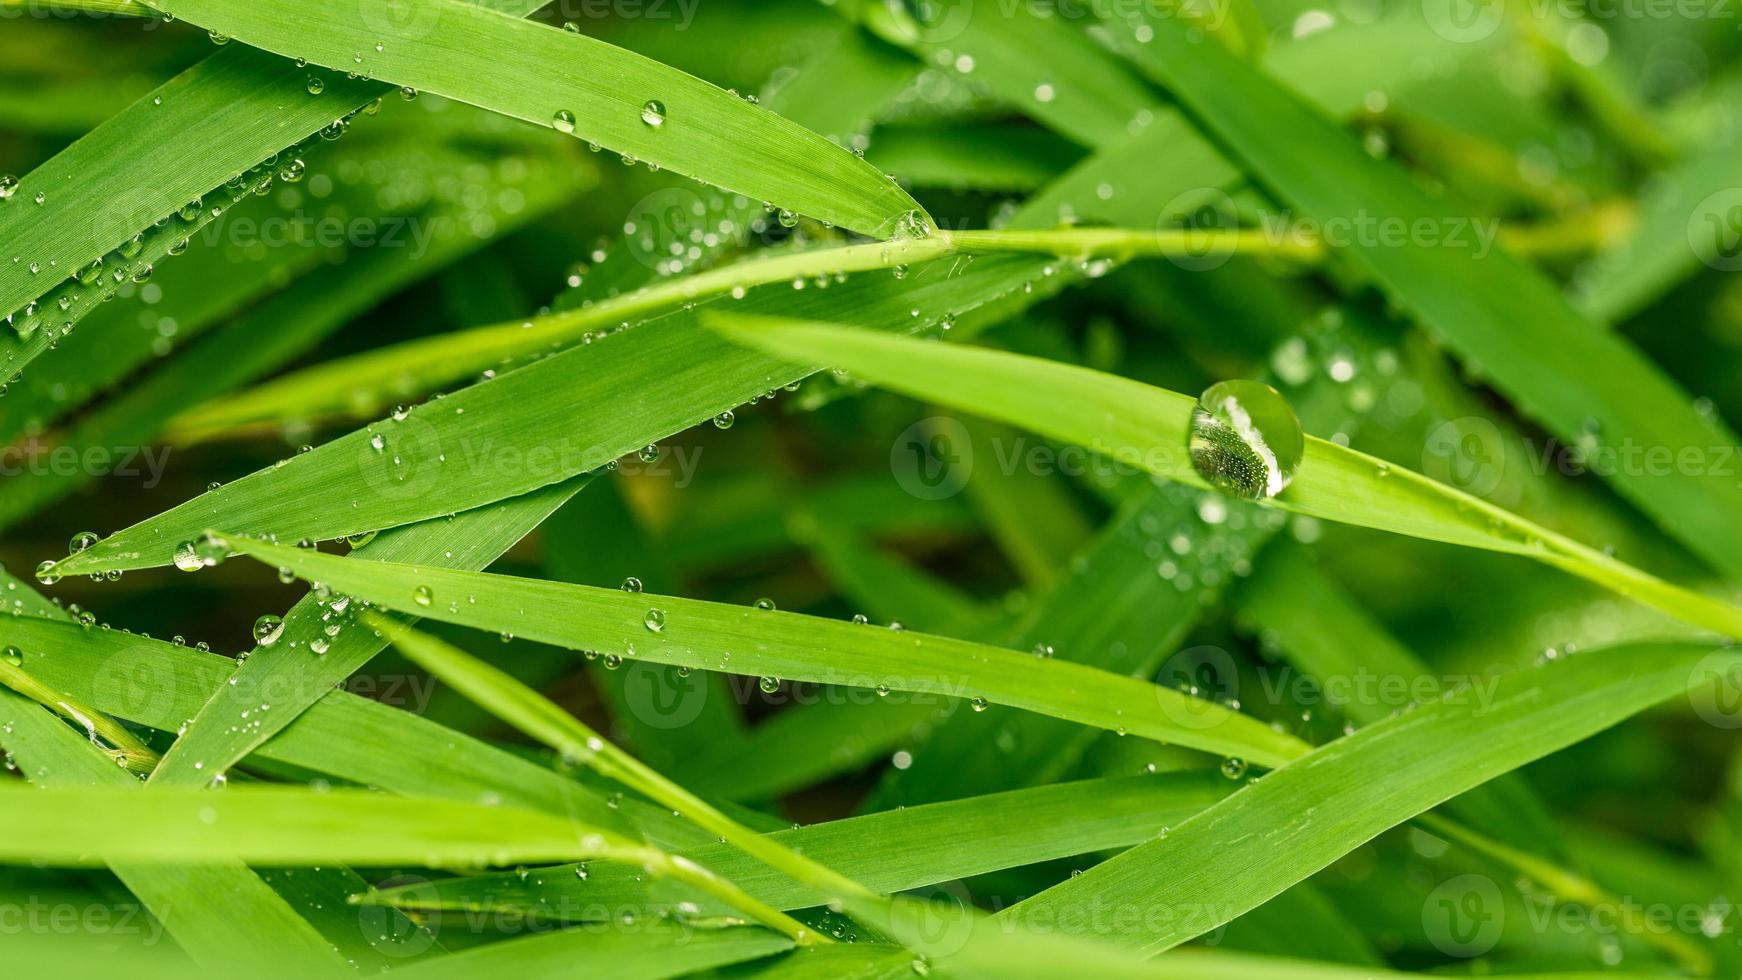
(872,489)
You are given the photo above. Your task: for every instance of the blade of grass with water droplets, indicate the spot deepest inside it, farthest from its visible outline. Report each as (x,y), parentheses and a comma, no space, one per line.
(1327,635)
(895,850)
(1502,316)
(537,425)
(214,122)
(623,101)
(1147,427)
(317,645)
(272,332)
(662,714)
(1317,809)
(295,826)
(767,643)
(219,911)
(1110,186)
(161,685)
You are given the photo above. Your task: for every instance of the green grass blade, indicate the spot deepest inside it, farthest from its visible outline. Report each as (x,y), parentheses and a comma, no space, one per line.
(217,120)
(1147,427)
(519,432)
(1112,610)
(273,331)
(1326,634)
(1317,809)
(1504,318)
(711,636)
(161,685)
(1045,65)
(539,717)
(289,676)
(218,910)
(524,69)
(279,825)
(895,850)
(659,713)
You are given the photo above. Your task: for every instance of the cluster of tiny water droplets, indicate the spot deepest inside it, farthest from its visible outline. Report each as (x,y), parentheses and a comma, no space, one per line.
(44,321)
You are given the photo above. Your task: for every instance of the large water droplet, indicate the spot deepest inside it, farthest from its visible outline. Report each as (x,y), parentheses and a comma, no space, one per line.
(653,113)
(267,630)
(1245,439)
(563,121)
(187,558)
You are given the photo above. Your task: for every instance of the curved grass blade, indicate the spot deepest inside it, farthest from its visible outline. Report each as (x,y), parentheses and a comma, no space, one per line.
(1147,427)
(711,636)
(1111,610)
(276,684)
(1295,821)
(413,367)
(284,825)
(537,716)
(537,426)
(161,685)
(1503,317)
(1326,634)
(623,101)
(895,850)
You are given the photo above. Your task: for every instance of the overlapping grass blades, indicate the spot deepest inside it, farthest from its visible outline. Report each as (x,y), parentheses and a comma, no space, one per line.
(1147,427)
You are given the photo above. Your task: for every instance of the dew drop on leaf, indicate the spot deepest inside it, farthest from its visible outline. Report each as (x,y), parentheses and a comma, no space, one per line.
(1245,439)
(653,113)
(187,557)
(267,630)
